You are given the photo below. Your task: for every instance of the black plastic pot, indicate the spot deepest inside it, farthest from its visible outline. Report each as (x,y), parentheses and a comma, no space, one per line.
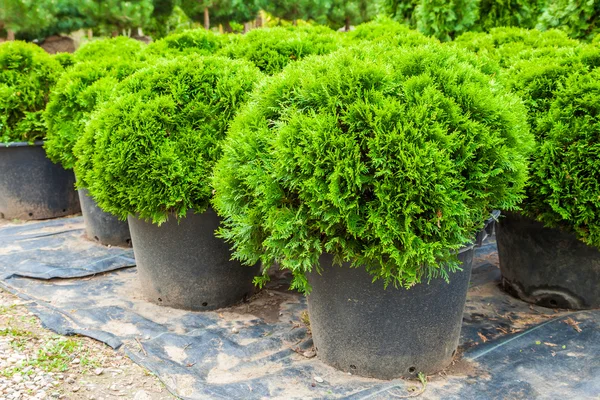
(182,264)
(546,266)
(31,186)
(101,226)
(362,328)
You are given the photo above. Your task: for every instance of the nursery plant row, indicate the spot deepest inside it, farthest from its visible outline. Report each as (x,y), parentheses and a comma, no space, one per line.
(365,163)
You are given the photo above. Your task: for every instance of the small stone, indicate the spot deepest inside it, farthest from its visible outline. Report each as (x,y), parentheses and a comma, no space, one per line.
(98,371)
(235,330)
(142,395)
(319,379)
(76,361)
(70,380)
(55,394)
(75,389)
(309,353)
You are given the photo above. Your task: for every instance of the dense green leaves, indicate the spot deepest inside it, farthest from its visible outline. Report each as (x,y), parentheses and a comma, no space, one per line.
(446,19)
(27,75)
(388,160)
(119,47)
(271,49)
(384,29)
(195,41)
(76,95)
(565,187)
(578,18)
(151,148)
(503,13)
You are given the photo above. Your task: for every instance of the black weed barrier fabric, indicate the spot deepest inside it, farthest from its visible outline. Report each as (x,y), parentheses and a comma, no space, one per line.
(257,349)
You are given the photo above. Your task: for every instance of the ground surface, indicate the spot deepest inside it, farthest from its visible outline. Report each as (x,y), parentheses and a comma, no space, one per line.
(35,363)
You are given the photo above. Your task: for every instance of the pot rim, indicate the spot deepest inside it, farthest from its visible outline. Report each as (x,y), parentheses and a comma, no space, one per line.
(21,144)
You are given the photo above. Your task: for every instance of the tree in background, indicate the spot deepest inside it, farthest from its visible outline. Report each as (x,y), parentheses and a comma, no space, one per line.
(344,13)
(222,12)
(446,19)
(18,16)
(402,11)
(519,13)
(294,10)
(580,19)
(117,17)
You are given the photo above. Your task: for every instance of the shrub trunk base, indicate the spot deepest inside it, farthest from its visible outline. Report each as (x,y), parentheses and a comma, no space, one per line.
(546,266)
(182,264)
(101,226)
(32,187)
(359,327)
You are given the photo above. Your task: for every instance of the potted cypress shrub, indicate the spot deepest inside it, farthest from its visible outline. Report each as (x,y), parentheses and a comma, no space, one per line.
(367,173)
(147,155)
(271,49)
(76,95)
(549,253)
(31,186)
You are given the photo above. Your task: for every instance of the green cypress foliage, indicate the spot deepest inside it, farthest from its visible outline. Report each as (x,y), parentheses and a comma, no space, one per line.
(193,41)
(502,13)
(76,95)
(446,19)
(118,47)
(579,19)
(27,75)
(150,149)
(384,29)
(564,191)
(388,160)
(271,49)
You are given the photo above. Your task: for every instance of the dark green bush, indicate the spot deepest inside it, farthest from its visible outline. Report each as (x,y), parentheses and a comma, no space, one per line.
(271,49)
(27,75)
(76,95)
(150,149)
(384,29)
(564,191)
(389,160)
(446,19)
(119,47)
(195,41)
(521,13)
(579,19)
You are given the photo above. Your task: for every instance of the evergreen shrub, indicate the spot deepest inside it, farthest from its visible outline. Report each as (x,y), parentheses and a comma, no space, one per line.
(271,49)
(564,191)
(118,47)
(508,45)
(27,75)
(77,93)
(384,29)
(194,41)
(150,150)
(388,160)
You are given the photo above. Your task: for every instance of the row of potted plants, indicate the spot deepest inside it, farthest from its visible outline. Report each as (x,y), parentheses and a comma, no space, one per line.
(364,164)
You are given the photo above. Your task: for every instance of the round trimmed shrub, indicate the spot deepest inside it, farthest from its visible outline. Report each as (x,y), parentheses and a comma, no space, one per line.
(65,59)
(508,45)
(27,75)
(76,95)
(149,151)
(388,160)
(271,49)
(195,41)
(386,30)
(118,47)
(564,191)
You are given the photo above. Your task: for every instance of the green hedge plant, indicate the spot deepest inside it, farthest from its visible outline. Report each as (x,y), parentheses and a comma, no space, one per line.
(118,47)
(193,41)
(149,151)
(564,191)
(27,75)
(78,92)
(271,49)
(384,29)
(388,160)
